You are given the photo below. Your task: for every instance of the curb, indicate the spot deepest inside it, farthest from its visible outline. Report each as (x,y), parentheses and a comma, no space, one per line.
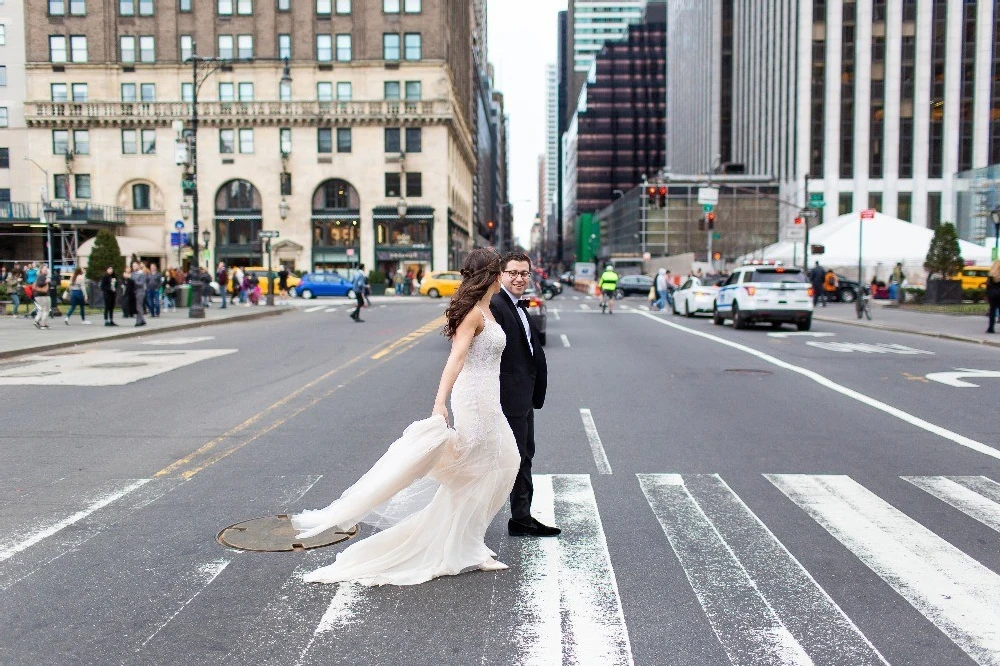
(897,329)
(197,323)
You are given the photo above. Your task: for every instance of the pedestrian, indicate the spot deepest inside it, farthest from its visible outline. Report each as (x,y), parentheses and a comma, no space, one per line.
(359,283)
(830,284)
(253,288)
(222,277)
(154,287)
(15,287)
(128,294)
(283,285)
(170,289)
(662,289)
(109,288)
(31,273)
(993,293)
(409,282)
(816,275)
(239,291)
(398,279)
(896,283)
(77,296)
(368,293)
(139,286)
(40,290)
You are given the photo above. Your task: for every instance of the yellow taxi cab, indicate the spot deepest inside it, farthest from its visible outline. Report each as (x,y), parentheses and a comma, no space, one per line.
(261,271)
(974,277)
(441,283)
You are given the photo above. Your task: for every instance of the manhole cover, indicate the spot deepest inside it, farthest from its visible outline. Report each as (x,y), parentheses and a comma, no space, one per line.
(272,534)
(118,366)
(748,371)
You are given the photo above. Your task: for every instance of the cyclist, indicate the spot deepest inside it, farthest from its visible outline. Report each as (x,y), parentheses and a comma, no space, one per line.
(609,285)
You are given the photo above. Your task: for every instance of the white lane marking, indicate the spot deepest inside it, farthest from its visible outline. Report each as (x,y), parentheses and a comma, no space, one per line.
(207,573)
(952,590)
(918,422)
(595,622)
(564,339)
(315,309)
(556,313)
(626,307)
(802,334)
(576,298)
(536,613)
(584,306)
(13,549)
(334,309)
(105,367)
(600,457)
(869,348)
(179,341)
(961,493)
(955,378)
(342,611)
(761,602)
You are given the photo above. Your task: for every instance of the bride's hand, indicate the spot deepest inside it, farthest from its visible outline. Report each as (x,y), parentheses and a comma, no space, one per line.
(443,411)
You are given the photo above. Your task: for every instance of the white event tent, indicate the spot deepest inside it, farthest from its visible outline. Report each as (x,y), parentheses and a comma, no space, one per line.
(886,240)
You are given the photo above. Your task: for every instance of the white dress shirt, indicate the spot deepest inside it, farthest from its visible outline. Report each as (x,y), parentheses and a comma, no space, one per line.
(524,318)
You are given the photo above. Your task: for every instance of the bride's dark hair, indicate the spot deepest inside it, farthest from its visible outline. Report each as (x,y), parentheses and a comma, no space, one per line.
(480,270)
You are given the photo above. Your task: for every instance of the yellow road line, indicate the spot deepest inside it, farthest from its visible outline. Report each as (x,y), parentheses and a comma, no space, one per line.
(204,450)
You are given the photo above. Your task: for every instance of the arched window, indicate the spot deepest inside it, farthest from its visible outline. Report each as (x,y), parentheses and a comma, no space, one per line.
(140,197)
(238,195)
(336,194)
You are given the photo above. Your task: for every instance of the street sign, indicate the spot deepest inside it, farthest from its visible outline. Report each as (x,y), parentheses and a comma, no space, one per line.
(707,208)
(816,200)
(797,231)
(178,225)
(187,184)
(716,236)
(817,249)
(350,252)
(708,195)
(809,212)
(868,214)
(178,239)
(268,234)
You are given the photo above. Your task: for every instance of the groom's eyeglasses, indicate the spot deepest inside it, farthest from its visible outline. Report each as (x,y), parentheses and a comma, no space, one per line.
(513,275)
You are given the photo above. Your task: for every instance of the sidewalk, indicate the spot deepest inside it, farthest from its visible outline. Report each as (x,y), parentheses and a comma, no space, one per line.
(19,336)
(886,317)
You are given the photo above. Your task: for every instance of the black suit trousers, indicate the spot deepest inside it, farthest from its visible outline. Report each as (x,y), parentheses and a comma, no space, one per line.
(520,495)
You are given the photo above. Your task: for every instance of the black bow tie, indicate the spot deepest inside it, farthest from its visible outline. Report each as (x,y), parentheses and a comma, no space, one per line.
(523,303)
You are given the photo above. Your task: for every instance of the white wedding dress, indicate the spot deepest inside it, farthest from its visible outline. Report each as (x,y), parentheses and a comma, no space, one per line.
(435,490)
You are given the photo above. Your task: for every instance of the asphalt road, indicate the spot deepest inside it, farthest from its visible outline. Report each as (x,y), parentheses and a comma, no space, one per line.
(726,497)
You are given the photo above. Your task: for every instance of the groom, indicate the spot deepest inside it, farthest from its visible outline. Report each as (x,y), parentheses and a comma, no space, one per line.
(523,377)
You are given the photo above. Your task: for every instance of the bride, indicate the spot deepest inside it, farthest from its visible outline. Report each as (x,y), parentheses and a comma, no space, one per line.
(436,489)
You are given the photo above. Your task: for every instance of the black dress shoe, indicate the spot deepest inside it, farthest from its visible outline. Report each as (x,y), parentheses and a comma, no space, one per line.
(531,527)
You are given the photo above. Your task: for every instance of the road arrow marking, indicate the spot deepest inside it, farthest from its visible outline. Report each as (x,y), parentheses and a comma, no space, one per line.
(803,334)
(955,378)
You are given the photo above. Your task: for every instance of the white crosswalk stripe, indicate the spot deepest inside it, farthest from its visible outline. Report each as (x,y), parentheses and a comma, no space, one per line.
(975,496)
(952,590)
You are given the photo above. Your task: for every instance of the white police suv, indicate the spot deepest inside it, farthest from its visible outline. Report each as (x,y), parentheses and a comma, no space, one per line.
(765,291)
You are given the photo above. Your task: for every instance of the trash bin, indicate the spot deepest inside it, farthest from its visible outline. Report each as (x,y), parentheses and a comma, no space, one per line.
(182,296)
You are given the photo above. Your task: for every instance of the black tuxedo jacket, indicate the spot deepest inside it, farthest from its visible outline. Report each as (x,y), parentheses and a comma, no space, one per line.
(523,376)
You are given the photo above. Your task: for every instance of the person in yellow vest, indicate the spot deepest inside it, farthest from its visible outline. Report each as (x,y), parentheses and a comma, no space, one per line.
(830,285)
(609,285)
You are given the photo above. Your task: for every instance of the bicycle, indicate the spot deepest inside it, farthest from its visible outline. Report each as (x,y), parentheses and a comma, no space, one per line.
(606,296)
(863,303)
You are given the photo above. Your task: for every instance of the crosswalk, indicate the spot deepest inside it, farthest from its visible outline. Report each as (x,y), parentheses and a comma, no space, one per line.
(561,601)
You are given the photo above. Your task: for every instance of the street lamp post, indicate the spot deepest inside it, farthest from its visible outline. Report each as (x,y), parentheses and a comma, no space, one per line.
(50,218)
(995,215)
(283,213)
(401,208)
(185,215)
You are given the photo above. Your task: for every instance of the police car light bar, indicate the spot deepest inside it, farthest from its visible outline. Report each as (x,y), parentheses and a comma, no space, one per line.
(762,262)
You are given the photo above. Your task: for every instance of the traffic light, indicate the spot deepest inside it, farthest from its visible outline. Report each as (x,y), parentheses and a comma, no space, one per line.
(491,225)
(662,192)
(710,218)
(651,195)
(717,256)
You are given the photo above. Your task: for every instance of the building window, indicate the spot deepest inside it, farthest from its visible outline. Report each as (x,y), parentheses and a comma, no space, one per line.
(147,48)
(285,140)
(286,184)
(57,48)
(148,142)
(246,141)
(392,185)
(187,92)
(225,46)
(343,6)
(4,119)
(128,92)
(126,7)
(413,90)
(3,75)
(184,5)
(285,91)
(3,35)
(904,209)
(414,185)
(324,91)
(5,194)
(390,6)
(227,92)
(61,183)
(145,7)
(324,48)
(60,142)
(126,48)
(390,46)
(391,90)
(344,93)
(140,197)
(411,46)
(147,92)
(187,47)
(285,47)
(227,141)
(244,7)
(324,7)
(130,142)
(412,6)
(80,92)
(343,139)
(58,92)
(225,7)
(82,185)
(4,158)
(343,48)
(57,7)
(392,141)
(78,48)
(284,5)
(246,92)
(81,142)
(324,140)
(414,140)
(78,7)
(245,47)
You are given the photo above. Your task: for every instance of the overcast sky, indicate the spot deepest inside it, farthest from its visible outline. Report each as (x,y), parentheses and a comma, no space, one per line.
(522,40)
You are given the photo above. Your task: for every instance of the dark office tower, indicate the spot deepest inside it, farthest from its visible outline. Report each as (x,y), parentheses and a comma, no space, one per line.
(622,132)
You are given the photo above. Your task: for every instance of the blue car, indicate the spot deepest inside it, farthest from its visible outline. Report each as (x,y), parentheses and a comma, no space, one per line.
(324,284)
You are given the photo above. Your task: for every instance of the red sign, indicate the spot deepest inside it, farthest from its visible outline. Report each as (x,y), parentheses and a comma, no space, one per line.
(799,221)
(868,214)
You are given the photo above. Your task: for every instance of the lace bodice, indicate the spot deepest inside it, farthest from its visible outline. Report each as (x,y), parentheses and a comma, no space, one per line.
(486,349)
